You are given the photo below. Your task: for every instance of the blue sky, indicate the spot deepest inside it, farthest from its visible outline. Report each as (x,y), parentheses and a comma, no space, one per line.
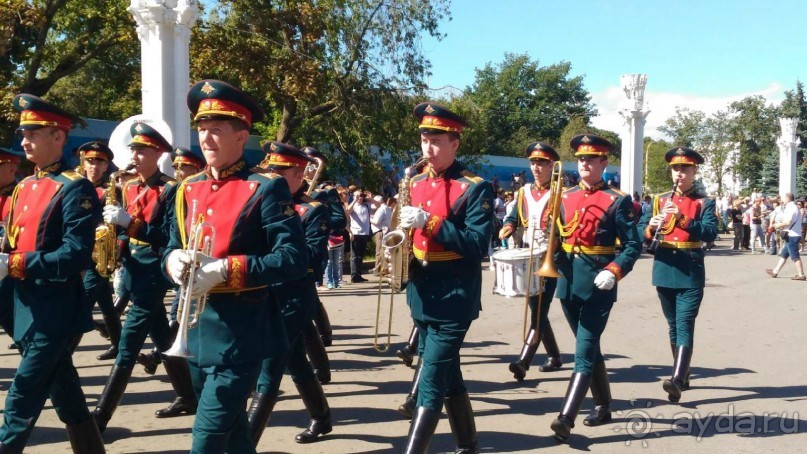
(701,54)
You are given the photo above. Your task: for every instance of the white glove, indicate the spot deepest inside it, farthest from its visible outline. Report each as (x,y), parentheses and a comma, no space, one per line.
(176,263)
(211,272)
(3,266)
(605,280)
(114,214)
(413,217)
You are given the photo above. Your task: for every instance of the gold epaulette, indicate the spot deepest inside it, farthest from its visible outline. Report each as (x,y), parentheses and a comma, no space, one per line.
(617,191)
(474,178)
(72,175)
(264,173)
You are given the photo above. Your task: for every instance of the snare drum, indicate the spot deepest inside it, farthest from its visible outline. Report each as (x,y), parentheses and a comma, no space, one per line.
(511,272)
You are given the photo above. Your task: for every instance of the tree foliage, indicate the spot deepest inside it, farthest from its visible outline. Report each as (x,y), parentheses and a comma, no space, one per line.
(658,172)
(754,130)
(43,42)
(519,101)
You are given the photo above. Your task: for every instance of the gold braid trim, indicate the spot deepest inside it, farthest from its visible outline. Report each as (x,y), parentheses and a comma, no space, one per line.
(179,202)
(567,230)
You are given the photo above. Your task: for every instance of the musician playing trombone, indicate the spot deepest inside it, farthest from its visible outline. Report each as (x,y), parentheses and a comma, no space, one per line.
(531,212)
(451,217)
(299,303)
(682,219)
(245,219)
(593,216)
(145,220)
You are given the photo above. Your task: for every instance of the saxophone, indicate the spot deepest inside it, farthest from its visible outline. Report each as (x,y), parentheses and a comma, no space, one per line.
(104,253)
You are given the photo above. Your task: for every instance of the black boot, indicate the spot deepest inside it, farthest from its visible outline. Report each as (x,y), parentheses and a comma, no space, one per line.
(120,304)
(408,352)
(101,328)
(553,361)
(520,367)
(601,393)
(318,357)
(180,377)
(85,438)
(674,349)
(424,423)
(112,395)
(408,407)
(317,406)
(6,449)
(675,385)
(260,409)
(323,324)
(150,361)
(113,328)
(563,424)
(461,418)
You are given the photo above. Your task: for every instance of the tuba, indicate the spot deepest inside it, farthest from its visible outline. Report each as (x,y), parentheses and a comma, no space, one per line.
(201,239)
(104,253)
(395,260)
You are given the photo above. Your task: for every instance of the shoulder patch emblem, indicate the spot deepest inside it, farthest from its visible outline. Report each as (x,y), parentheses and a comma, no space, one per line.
(86,203)
(323,226)
(288,209)
(486,206)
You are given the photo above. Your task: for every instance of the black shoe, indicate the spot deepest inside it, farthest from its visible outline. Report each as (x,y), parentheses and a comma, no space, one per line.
(111,353)
(551,365)
(407,409)
(316,428)
(601,415)
(327,340)
(406,355)
(149,361)
(358,280)
(14,346)
(518,370)
(323,376)
(674,387)
(179,406)
(562,427)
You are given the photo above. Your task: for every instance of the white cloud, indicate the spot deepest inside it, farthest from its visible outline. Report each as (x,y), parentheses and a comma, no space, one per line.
(662,106)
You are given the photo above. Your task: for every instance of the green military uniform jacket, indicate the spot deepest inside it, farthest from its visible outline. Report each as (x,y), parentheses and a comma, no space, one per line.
(445,276)
(678,261)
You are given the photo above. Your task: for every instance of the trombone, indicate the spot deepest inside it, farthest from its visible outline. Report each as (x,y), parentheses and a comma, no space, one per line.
(317,167)
(548,267)
(199,242)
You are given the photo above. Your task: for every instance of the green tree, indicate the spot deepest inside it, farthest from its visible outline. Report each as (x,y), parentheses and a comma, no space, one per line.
(657,171)
(795,106)
(716,147)
(519,101)
(768,181)
(50,40)
(577,125)
(685,128)
(754,129)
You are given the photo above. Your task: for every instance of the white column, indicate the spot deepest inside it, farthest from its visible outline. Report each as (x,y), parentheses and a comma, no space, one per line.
(632,157)
(164,29)
(788,144)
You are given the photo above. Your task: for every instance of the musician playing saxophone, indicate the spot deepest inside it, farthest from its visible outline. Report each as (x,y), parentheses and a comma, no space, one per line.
(259,242)
(683,220)
(144,218)
(451,218)
(530,212)
(299,301)
(95,159)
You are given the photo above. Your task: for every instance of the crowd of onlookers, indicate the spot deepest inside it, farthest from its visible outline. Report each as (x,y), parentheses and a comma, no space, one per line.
(753,218)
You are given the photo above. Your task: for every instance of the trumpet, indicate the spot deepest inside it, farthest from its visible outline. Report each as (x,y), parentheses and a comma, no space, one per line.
(395,260)
(201,241)
(317,167)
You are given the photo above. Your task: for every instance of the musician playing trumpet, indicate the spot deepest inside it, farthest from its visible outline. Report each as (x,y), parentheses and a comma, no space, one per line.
(683,220)
(531,211)
(259,242)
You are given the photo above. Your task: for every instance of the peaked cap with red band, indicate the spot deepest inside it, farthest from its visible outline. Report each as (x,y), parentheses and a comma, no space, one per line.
(312,153)
(436,119)
(8,155)
(540,150)
(37,113)
(590,145)
(97,150)
(144,135)
(282,155)
(683,156)
(186,156)
(216,100)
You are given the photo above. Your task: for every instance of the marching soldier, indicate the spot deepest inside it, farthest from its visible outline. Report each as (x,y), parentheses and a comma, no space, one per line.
(51,232)
(531,208)
(186,162)
(681,220)
(298,300)
(451,216)
(593,216)
(95,158)
(259,241)
(148,206)
(9,163)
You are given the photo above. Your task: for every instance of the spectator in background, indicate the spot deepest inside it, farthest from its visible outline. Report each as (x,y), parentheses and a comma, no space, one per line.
(803,210)
(736,216)
(791,223)
(746,224)
(774,217)
(637,205)
(381,223)
(359,210)
(756,226)
(647,204)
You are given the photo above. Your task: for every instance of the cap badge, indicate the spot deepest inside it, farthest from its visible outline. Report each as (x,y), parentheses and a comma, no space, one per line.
(429,109)
(139,127)
(680,151)
(207,88)
(585,139)
(273,147)
(23,103)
